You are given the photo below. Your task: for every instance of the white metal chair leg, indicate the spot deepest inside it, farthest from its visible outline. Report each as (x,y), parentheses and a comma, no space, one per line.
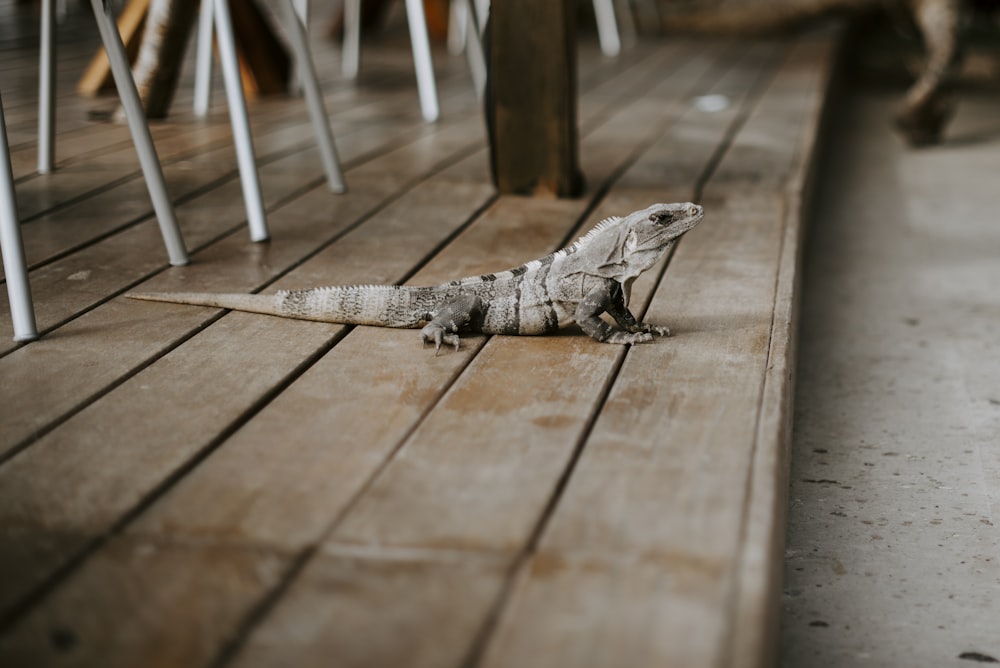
(607,27)
(419,41)
(350,54)
(245,156)
(458,22)
(627,29)
(46,90)
(15,269)
(482,12)
(314,98)
(143,141)
(421,45)
(301,8)
(203,60)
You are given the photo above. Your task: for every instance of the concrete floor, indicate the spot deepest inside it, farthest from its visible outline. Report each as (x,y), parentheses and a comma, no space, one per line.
(894,528)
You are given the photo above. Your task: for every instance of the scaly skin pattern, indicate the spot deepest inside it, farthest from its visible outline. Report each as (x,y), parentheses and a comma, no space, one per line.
(577,284)
(927,106)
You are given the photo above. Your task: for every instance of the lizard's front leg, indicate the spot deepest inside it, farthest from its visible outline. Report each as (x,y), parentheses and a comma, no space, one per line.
(617,310)
(450,318)
(588,312)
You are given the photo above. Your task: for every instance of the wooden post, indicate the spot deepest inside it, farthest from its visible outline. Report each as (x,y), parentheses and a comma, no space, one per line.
(531,97)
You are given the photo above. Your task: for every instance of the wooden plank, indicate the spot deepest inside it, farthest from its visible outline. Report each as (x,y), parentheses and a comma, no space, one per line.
(180,153)
(49,366)
(510,233)
(351,448)
(246,499)
(185,151)
(479,492)
(531,98)
(381,171)
(260,502)
(100,481)
(654,489)
(108,267)
(647,559)
(756,614)
(359,619)
(127,572)
(669,163)
(773,149)
(344,209)
(95,138)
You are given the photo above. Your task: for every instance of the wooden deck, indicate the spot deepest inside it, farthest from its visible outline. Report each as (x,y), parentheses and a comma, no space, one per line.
(187,487)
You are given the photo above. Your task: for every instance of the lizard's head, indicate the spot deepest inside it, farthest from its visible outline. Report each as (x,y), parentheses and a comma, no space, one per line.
(646,235)
(623,248)
(656,226)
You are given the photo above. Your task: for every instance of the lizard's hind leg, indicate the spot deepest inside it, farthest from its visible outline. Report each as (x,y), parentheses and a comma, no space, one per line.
(452,317)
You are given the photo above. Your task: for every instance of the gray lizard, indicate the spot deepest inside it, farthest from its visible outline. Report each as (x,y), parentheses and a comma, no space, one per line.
(577,284)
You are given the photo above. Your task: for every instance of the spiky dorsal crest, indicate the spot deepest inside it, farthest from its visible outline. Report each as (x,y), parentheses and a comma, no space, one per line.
(610,221)
(336,289)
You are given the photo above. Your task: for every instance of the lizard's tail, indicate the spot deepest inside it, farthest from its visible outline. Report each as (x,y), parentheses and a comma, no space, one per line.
(266,304)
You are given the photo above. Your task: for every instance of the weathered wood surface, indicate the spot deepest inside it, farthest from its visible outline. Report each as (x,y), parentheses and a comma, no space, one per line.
(183,486)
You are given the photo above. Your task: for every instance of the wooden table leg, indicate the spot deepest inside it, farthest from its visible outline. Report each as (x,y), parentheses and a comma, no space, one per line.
(531,97)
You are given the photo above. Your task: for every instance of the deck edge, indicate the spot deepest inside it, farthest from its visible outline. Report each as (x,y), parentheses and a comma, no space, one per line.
(756,617)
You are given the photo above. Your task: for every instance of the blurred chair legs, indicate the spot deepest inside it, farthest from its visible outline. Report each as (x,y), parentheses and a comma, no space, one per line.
(22,311)
(314,97)
(215,16)
(14,267)
(143,141)
(419,41)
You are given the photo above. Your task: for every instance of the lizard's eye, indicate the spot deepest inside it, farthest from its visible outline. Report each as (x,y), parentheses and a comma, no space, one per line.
(659,218)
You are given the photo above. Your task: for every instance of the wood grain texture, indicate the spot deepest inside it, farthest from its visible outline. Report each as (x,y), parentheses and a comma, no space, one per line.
(441,495)
(186,487)
(659,488)
(756,613)
(100,477)
(128,572)
(695,512)
(348,612)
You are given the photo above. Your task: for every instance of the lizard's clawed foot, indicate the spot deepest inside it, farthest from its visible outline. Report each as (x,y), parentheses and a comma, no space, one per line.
(438,336)
(650,329)
(629,337)
(656,329)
